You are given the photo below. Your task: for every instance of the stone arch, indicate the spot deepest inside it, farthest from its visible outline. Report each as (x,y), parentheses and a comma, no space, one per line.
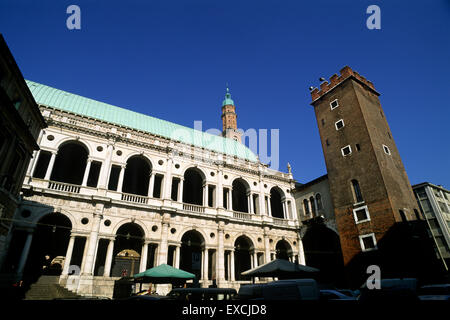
(191,251)
(130,237)
(82,141)
(187,229)
(50,240)
(240,194)
(277,197)
(283,249)
(70,162)
(136,177)
(322,250)
(143,155)
(120,223)
(243,250)
(194,180)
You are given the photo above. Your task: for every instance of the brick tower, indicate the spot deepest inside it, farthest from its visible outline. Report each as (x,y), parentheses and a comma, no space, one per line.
(369,186)
(229,119)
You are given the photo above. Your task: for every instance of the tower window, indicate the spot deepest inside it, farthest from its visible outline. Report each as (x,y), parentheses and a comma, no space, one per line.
(386,149)
(358,147)
(319,202)
(339,124)
(323,122)
(416,212)
(334,104)
(361,214)
(327,142)
(357,191)
(403,216)
(368,242)
(347,150)
(306,206)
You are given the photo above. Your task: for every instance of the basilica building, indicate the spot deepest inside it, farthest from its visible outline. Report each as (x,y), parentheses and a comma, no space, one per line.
(112,192)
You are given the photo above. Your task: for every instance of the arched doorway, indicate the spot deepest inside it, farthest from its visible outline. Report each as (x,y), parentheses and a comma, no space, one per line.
(192,245)
(49,246)
(137,176)
(127,250)
(283,250)
(239,195)
(70,163)
(322,249)
(276,205)
(243,248)
(193,186)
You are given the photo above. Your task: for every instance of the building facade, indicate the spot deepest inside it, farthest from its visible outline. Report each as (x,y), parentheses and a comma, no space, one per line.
(434,203)
(113,192)
(20,122)
(318,230)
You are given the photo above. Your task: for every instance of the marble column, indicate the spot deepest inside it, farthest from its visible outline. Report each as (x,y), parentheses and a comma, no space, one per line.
(220,259)
(168,180)
(205,264)
(109,258)
(284,205)
(33,163)
(121,175)
(219,191)
(92,245)
(266,247)
(151,184)
(205,195)
(232,266)
(144,255)
(86,172)
(301,252)
(50,166)
(177,256)
(162,254)
(68,256)
(269,206)
(180,190)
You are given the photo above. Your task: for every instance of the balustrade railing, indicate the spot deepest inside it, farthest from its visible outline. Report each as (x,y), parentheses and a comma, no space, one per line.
(242,215)
(280,222)
(61,186)
(134,198)
(193,208)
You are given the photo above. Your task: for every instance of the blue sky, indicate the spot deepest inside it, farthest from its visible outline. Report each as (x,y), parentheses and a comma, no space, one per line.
(172,59)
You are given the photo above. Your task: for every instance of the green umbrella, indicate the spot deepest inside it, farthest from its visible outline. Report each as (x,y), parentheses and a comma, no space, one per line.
(163,274)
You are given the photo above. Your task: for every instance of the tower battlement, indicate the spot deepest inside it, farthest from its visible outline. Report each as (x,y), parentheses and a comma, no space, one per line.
(346,72)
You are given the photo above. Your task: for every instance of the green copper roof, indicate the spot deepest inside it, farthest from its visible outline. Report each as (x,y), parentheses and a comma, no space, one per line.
(70,102)
(228,100)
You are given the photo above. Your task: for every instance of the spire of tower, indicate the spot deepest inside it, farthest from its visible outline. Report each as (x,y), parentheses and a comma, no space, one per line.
(228,100)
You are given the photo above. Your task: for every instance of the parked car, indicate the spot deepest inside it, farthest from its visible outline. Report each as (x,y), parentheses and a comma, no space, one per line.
(202,294)
(146,297)
(435,292)
(296,289)
(350,293)
(391,290)
(331,295)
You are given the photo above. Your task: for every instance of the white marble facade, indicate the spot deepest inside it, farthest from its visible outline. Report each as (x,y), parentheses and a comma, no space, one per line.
(96,213)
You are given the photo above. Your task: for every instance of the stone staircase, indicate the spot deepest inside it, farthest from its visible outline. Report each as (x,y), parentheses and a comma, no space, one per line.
(48,288)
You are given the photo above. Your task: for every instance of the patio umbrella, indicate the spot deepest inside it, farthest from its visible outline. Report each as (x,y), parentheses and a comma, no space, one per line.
(163,274)
(282,269)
